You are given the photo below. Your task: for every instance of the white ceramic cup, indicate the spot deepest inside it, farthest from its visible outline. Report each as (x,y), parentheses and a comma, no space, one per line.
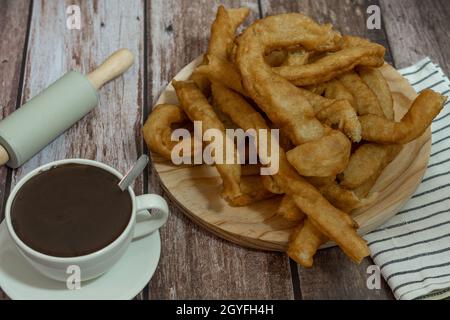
(94,264)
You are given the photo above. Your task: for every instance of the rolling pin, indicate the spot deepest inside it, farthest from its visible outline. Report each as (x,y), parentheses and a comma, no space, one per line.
(42,119)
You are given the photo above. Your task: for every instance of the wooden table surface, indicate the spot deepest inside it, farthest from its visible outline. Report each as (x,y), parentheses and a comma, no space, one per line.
(36,48)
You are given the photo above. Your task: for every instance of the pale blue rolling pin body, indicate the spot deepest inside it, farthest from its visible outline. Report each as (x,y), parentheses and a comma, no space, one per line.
(35,124)
(38,122)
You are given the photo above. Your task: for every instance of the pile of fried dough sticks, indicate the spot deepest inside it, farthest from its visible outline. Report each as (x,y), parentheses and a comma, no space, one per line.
(334,110)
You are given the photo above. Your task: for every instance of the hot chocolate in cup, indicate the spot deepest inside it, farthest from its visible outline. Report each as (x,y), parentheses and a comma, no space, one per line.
(71,214)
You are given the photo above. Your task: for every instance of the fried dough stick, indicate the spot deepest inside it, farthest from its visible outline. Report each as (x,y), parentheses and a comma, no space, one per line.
(197,108)
(332,222)
(223,30)
(283,102)
(379,86)
(392,151)
(324,157)
(333,89)
(366,101)
(274,59)
(296,58)
(277,97)
(355,51)
(219,70)
(304,242)
(307,240)
(340,197)
(222,37)
(366,162)
(289,210)
(335,112)
(157,130)
(418,118)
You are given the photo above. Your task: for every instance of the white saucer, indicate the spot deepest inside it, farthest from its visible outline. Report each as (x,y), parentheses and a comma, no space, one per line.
(124,281)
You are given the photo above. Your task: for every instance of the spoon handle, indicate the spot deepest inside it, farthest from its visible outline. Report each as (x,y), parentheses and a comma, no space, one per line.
(134,172)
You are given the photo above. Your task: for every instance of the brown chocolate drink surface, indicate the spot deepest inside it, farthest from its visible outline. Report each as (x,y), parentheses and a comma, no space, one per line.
(70,210)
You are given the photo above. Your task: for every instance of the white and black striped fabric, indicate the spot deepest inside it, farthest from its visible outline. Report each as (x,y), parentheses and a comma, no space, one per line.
(413,248)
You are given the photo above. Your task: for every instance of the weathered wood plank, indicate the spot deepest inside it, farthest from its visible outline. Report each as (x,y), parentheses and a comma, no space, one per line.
(111,132)
(194,263)
(13,32)
(418,29)
(333,275)
(13,35)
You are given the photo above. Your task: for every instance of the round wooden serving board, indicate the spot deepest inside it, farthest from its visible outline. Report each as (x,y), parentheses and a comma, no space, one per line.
(196,189)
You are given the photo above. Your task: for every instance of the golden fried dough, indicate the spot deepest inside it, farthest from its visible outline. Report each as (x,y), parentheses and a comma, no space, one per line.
(355,51)
(374,79)
(338,196)
(288,209)
(335,90)
(157,130)
(364,189)
(282,102)
(219,70)
(335,113)
(197,108)
(364,163)
(296,58)
(321,158)
(366,101)
(304,242)
(418,118)
(336,224)
(221,40)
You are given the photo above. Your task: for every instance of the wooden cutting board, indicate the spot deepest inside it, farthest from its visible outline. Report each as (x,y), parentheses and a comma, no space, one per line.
(196,189)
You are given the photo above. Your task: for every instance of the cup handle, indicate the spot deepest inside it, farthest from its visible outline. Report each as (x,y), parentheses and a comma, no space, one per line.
(147,223)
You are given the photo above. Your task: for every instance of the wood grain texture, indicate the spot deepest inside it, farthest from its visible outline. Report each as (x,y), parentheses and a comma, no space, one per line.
(417,29)
(194,263)
(13,36)
(13,32)
(111,132)
(349,17)
(335,277)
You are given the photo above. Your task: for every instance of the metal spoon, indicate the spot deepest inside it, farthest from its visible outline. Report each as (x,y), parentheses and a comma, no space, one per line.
(134,172)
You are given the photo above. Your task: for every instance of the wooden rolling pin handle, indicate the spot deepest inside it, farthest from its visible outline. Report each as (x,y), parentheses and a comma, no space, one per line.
(116,64)
(4,156)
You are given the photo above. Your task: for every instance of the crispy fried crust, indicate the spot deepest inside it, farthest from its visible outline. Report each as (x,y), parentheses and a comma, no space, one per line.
(321,158)
(333,89)
(374,79)
(423,110)
(197,108)
(366,101)
(363,189)
(338,196)
(283,103)
(221,40)
(336,224)
(332,112)
(365,162)
(355,51)
(157,129)
(220,70)
(279,99)
(304,242)
(288,209)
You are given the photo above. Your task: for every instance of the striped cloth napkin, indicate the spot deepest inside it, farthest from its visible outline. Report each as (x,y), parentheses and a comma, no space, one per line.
(413,248)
